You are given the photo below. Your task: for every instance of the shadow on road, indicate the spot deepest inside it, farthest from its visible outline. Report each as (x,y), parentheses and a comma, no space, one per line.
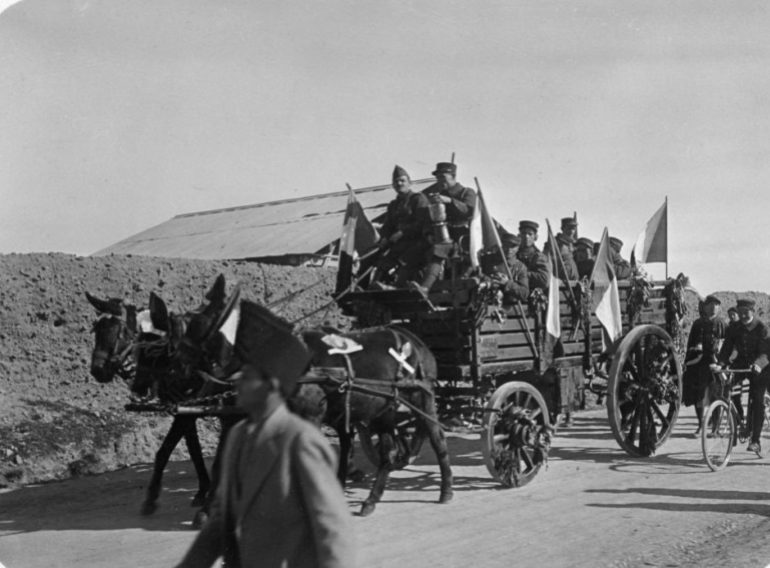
(731,495)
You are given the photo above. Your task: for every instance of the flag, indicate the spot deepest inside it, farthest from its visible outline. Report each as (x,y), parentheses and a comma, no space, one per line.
(552,314)
(606,299)
(652,243)
(358,237)
(483,234)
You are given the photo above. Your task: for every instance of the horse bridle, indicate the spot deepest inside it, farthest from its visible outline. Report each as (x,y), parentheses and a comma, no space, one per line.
(118,358)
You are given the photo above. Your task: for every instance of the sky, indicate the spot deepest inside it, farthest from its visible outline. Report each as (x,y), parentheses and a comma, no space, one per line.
(117,116)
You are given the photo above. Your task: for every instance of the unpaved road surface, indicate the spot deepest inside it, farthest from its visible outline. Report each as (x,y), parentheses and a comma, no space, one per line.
(594,506)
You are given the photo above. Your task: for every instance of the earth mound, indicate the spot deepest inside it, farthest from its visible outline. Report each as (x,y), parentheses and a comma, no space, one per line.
(56,421)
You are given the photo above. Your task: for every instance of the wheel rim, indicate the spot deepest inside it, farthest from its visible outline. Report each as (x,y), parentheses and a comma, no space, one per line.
(645,388)
(516,434)
(717,435)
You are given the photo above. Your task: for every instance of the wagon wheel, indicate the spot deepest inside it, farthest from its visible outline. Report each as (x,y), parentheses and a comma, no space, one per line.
(516,434)
(644,390)
(409,439)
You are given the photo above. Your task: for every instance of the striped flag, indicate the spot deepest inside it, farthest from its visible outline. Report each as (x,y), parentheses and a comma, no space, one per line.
(606,298)
(358,236)
(652,243)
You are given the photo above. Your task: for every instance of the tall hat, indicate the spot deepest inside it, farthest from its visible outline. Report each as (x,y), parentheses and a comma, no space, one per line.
(266,342)
(616,243)
(568,222)
(528,225)
(445,167)
(398,171)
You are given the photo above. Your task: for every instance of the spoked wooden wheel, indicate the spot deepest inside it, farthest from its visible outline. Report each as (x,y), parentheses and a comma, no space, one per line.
(408,441)
(516,434)
(644,390)
(718,431)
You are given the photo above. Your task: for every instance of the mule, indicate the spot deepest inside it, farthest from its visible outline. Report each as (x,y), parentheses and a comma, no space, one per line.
(375,407)
(121,348)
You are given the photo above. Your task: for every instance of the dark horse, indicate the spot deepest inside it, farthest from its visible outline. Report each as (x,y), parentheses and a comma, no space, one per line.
(356,378)
(142,358)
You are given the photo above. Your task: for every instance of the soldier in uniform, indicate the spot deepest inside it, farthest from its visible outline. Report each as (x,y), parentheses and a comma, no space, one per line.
(531,257)
(565,240)
(584,257)
(706,336)
(623,270)
(458,204)
(515,287)
(402,231)
(749,338)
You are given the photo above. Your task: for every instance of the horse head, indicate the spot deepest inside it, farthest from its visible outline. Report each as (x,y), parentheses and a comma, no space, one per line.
(113,337)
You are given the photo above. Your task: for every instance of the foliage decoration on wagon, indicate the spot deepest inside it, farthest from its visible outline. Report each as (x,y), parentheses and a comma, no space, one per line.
(676,310)
(638,296)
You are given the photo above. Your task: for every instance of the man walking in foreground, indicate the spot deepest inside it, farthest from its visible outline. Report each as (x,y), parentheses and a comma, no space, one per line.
(279,503)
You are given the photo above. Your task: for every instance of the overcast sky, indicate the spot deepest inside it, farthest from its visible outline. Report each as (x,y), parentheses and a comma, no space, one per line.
(117,115)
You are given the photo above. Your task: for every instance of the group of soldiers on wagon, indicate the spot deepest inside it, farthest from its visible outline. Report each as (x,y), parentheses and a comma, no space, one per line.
(425,236)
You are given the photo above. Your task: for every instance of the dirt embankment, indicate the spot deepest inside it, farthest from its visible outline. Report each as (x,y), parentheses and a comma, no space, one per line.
(55,420)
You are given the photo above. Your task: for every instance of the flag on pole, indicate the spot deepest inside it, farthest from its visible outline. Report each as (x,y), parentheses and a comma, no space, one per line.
(483,234)
(606,298)
(358,237)
(652,243)
(553,315)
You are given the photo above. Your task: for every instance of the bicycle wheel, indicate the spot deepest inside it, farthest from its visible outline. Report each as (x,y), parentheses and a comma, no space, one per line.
(717,434)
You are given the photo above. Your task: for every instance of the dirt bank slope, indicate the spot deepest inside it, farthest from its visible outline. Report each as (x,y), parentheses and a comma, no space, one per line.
(55,420)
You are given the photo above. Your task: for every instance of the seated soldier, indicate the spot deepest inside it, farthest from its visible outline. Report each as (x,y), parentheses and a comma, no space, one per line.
(531,257)
(510,277)
(623,270)
(584,257)
(447,218)
(401,233)
(566,243)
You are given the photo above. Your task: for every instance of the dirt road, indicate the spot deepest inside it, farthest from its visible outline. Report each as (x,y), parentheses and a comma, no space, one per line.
(594,506)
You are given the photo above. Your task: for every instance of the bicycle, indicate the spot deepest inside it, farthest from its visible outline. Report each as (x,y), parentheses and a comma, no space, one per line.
(721,428)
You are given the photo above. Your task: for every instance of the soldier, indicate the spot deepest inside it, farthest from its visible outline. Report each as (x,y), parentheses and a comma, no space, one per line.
(584,257)
(623,270)
(703,345)
(749,338)
(401,232)
(515,287)
(565,240)
(447,219)
(531,257)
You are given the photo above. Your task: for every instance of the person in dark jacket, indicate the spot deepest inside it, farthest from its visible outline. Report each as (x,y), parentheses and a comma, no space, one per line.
(584,257)
(565,240)
(531,257)
(703,344)
(515,286)
(749,339)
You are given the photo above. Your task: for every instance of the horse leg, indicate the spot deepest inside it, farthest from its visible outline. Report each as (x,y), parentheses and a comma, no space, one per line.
(196,455)
(172,438)
(202,515)
(438,443)
(346,452)
(387,445)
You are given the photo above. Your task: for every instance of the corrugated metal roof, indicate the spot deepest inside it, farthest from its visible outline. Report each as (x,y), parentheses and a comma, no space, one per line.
(299,226)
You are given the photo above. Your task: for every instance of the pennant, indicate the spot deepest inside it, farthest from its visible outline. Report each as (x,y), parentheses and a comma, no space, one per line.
(358,237)
(553,315)
(652,243)
(483,232)
(606,299)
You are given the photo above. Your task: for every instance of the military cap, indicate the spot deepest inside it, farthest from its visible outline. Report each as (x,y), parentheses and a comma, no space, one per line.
(746,303)
(711,299)
(616,243)
(510,240)
(398,171)
(523,225)
(584,242)
(445,167)
(568,222)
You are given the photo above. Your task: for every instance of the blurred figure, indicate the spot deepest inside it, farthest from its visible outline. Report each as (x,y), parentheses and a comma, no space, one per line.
(584,257)
(732,316)
(515,287)
(279,503)
(531,257)
(749,338)
(703,344)
(623,270)
(565,240)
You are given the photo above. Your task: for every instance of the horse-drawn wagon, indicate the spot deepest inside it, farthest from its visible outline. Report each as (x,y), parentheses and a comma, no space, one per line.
(498,368)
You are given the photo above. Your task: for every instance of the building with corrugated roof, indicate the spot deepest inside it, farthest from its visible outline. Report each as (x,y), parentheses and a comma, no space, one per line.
(302,230)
